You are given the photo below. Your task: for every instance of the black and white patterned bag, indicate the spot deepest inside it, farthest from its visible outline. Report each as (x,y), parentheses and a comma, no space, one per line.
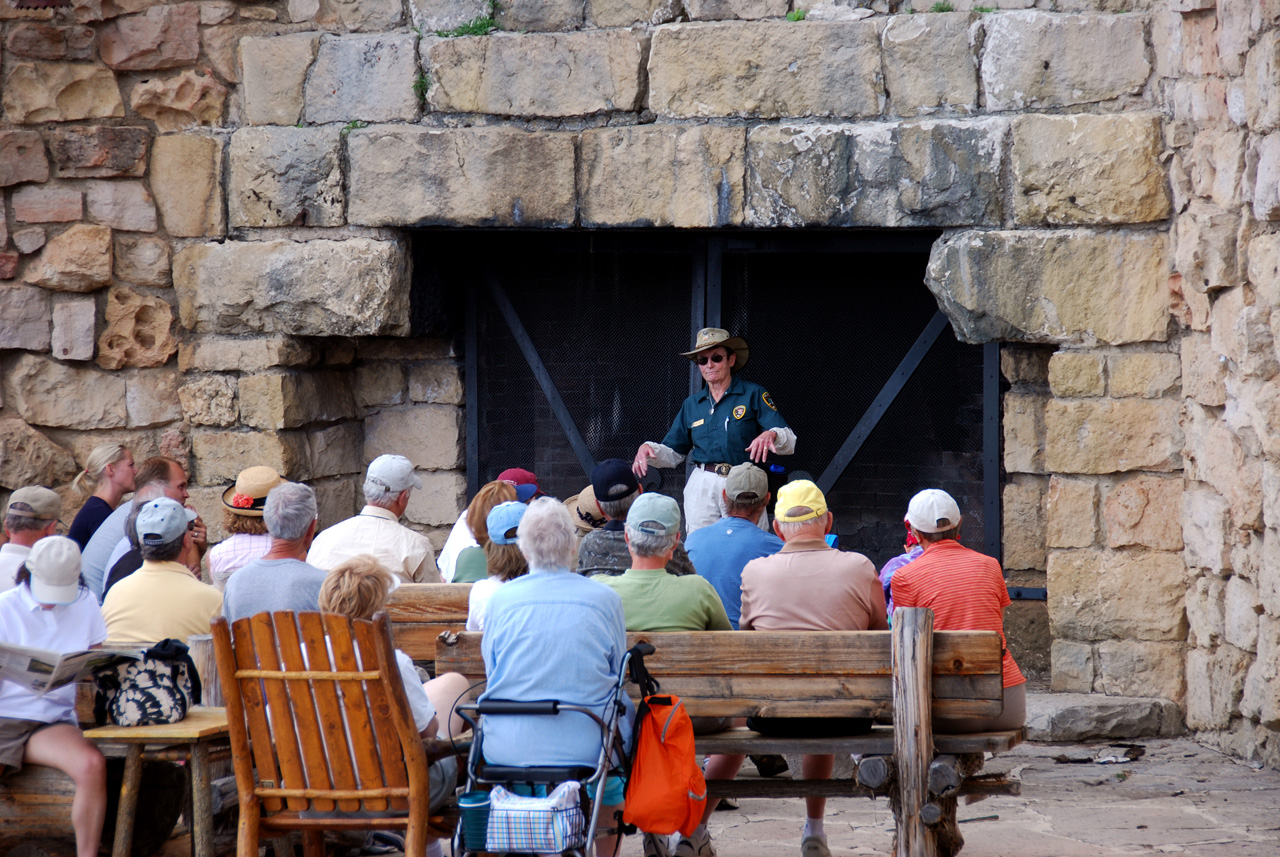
(158,688)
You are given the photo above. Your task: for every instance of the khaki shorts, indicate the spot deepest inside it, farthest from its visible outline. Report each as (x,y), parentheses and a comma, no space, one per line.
(14,735)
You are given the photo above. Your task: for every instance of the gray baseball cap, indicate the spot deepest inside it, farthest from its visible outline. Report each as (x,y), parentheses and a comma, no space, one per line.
(392,474)
(45,505)
(163,521)
(746,483)
(655,514)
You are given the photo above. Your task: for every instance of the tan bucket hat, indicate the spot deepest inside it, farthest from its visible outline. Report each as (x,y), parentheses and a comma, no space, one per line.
(249,495)
(710,337)
(585,511)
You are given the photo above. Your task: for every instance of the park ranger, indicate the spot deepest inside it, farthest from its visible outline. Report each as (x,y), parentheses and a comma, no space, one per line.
(726,423)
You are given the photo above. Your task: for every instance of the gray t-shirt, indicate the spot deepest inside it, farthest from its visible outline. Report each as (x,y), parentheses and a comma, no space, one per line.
(271,585)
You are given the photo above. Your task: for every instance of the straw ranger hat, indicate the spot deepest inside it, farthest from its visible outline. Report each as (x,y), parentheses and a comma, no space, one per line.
(710,337)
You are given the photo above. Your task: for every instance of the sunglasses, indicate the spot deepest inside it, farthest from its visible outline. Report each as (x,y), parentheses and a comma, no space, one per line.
(703,359)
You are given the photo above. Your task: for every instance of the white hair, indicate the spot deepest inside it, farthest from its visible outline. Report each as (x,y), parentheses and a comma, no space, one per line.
(793,529)
(547,536)
(649,544)
(289,510)
(377,494)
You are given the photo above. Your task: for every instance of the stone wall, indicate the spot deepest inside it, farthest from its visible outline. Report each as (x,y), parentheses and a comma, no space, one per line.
(203,250)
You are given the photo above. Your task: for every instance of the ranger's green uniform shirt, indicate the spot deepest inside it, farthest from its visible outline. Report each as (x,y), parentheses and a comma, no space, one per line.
(720,432)
(654,600)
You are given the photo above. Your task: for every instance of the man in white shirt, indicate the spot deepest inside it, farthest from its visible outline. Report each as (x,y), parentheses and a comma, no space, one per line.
(377,529)
(32,514)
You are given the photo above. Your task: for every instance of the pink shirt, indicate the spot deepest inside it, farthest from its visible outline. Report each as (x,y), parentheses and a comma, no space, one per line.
(810,586)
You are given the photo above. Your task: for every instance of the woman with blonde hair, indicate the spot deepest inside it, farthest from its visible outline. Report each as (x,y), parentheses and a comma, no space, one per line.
(107,476)
(472,564)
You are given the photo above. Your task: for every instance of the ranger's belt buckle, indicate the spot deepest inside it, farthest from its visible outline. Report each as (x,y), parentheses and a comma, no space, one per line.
(723,469)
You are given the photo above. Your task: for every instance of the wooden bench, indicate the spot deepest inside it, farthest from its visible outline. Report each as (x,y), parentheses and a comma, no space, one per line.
(420,612)
(840,674)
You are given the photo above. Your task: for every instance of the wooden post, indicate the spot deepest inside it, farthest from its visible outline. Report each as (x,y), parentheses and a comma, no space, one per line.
(873,772)
(201,651)
(123,846)
(913,727)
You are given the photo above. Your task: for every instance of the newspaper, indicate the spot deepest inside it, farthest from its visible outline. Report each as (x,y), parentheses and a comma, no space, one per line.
(43,670)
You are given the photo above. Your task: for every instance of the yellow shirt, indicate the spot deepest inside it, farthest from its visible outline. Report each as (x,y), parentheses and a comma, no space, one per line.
(378,532)
(158,601)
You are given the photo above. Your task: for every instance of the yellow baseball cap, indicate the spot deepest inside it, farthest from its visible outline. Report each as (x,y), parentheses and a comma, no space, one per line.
(802,492)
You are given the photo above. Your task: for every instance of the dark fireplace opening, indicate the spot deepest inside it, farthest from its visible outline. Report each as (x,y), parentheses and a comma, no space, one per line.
(598,320)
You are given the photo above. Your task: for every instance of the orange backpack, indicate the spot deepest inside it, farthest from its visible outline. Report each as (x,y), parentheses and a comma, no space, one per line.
(666,791)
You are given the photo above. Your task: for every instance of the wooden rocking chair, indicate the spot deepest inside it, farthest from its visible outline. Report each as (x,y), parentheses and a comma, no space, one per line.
(315,704)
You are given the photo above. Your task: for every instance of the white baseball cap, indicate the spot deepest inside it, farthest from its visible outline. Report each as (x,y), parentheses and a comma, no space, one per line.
(54,563)
(391,474)
(932,511)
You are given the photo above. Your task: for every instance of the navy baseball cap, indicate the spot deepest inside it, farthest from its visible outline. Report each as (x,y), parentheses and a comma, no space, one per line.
(609,474)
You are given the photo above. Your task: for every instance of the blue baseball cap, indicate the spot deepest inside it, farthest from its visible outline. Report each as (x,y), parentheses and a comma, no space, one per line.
(163,521)
(502,521)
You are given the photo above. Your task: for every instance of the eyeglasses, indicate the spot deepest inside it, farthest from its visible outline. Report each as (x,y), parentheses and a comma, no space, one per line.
(702,359)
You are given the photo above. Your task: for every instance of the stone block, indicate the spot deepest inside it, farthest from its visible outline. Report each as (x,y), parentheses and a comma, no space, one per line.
(143,260)
(1190,308)
(286,177)
(1215,684)
(565,74)
(1261,698)
(1073,667)
(138,331)
(1024,519)
(1025,365)
(1205,613)
(36,92)
(363,77)
(221,354)
(429,435)
(1093,596)
(356,287)
(735,10)
(182,101)
(1071,512)
(433,15)
(1141,668)
(1262,84)
(1217,455)
(1264,268)
(281,401)
(1215,166)
(1142,511)
(83,152)
(624,13)
(1112,436)
(77,260)
(121,205)
(274,70)
(161,37)
(221,44)
(1206,529)
(74,328)
(1037,59)
(8,265)
(1073,717)
(437,384)
(380,385)
(1205,250)
(336,501)
(38,41)
(929,63)
(539,16)
(25,310)
(210,401)
(1070,286)
(920,173)
(49,393)
(152,398)
(336,450)
(1084,169)
(1023,425)
(1147,374)
(494,176)
(357,16)
(662,175)
(27,457)
(22,158)
(47,204)
(1076,374)
(1240,614)
(221,455)
(766,70)
(186,176)
(88,11)
(443,494)
(29,240)
(215,13)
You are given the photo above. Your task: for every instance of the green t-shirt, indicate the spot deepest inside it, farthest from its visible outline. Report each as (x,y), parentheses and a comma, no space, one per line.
(654,600)
(471,565)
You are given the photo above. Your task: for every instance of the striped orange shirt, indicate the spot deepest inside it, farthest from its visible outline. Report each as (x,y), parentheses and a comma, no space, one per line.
(964,589)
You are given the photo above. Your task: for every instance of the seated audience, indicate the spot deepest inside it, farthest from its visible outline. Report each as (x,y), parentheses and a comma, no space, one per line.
(911,551)
(161,599)
(461,536)
(554,634)
(471,564)
(50,608)
(377,529)
(585,512)
(965,590)
(30,515)
(131,561)
(242,506)
(281,579)
(721,550)
(604,551)
(107,476)
(503,558)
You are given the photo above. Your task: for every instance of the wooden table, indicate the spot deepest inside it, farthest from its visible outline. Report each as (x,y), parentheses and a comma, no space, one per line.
(193,739)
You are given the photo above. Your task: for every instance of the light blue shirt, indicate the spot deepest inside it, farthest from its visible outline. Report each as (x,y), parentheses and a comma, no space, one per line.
(552,635)
(95,558)
(721,550)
